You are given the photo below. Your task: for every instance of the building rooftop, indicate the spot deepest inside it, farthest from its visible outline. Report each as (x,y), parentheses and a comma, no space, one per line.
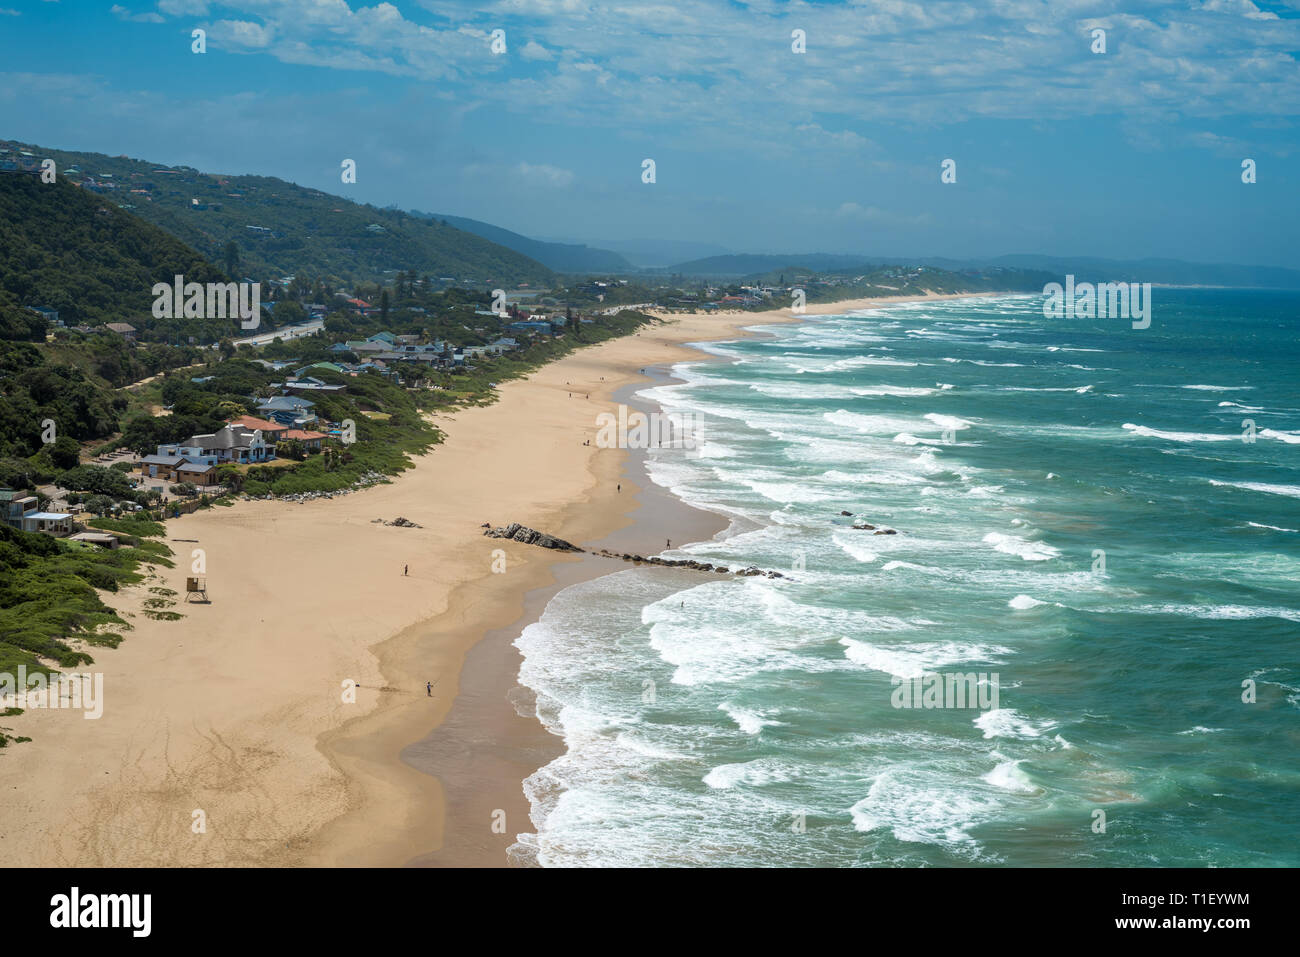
(253,422)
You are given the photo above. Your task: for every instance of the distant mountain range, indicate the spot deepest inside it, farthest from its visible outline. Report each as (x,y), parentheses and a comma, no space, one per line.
(660,253)
(282,228)
(561,257)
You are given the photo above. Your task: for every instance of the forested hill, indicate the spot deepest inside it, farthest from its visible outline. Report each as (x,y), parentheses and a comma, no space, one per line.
(66,249)
(283,229)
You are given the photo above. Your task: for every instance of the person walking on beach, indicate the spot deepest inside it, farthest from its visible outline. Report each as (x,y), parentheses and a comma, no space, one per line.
(405,569)
(428,688)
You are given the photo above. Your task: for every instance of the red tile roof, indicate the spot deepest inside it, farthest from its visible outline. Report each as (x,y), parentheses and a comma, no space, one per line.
(254,423)
(303,436)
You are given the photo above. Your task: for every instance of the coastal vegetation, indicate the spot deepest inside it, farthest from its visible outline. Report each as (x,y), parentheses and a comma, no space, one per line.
(50,604)
(66,249)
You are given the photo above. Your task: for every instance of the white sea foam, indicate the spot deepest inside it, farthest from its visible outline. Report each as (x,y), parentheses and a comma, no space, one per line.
(855,549)
(752,773)
(1009,776)
(1029,551)
(922,806)
(872,478)
(947,421)
(1291,491)
(918,658)
(891,390)
(1081,390)
(1219,612)
(799,391)
(1024,602)
(907,438)
(1179,436)
(1290,438)
(1010,723)
(894,565)
(871,424)
(749,721)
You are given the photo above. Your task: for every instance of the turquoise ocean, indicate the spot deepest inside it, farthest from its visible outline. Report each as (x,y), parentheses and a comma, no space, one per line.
(1105,521)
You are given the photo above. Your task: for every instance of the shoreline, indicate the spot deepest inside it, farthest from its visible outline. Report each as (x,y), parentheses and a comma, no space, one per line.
(236,710)
(492,738)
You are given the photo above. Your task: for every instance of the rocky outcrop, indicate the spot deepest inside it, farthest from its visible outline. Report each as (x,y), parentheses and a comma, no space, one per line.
(861,526)
(689,563)
(530,536)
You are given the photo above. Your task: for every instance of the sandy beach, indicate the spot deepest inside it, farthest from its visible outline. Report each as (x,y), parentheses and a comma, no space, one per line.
(239,710)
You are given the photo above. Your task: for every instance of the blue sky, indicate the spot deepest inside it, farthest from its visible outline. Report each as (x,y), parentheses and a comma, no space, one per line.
(1062,151)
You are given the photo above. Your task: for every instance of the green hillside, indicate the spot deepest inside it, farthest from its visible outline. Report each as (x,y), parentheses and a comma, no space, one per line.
(70,250)
(284,229)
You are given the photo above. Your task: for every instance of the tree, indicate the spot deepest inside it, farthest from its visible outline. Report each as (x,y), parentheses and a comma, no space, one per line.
(231,256)
(65,453)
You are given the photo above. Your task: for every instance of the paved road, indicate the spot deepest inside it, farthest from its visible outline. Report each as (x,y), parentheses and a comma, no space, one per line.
(288,332)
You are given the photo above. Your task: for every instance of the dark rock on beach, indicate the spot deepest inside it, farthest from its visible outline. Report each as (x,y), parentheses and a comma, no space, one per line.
(530,536)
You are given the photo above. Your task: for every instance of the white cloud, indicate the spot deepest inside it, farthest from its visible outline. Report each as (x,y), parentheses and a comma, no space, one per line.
(241,34)
(718,68)
(182,8)
(543,175)
(122,13)
(535,51)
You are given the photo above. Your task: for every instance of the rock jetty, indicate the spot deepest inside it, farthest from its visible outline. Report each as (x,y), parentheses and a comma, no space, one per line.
(530,536)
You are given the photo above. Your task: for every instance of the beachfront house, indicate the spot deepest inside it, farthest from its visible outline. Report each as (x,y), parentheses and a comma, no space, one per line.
(229,444)
(196,473)
(16,506)
(311,384)
(57,524)
(161,466)
(311,441)
(271,431)
(289,410)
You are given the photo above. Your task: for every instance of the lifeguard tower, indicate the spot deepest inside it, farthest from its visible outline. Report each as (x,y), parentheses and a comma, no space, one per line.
(196,586)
